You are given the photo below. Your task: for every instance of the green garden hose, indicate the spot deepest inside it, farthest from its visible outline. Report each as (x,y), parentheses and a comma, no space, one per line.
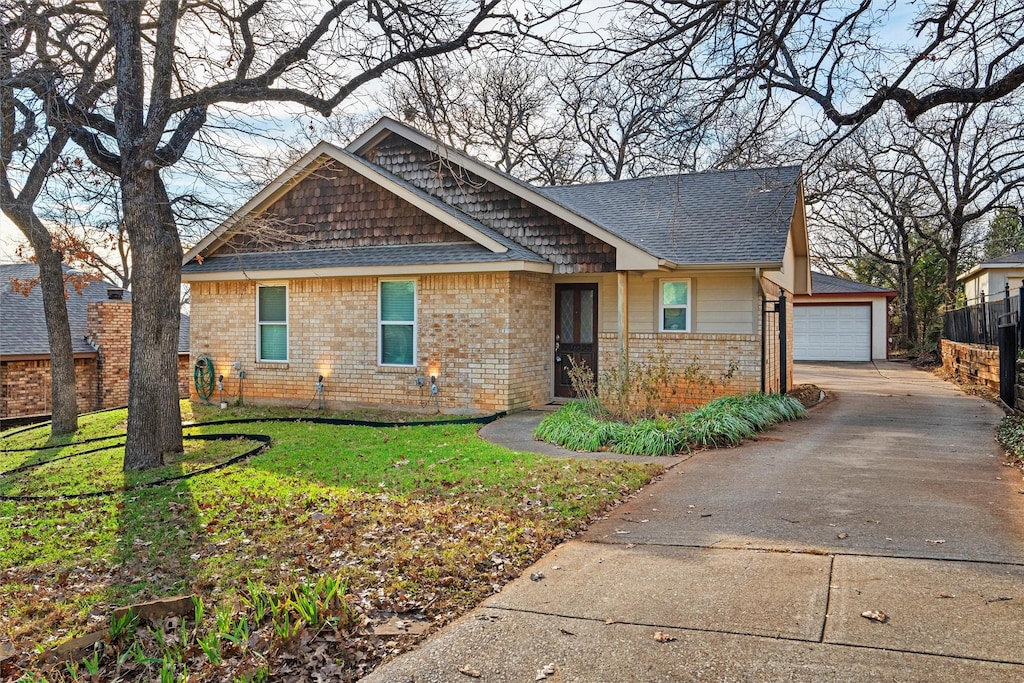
(202,377)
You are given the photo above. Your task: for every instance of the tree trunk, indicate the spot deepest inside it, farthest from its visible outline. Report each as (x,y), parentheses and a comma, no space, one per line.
(154,416)
(908,294)
(63,390)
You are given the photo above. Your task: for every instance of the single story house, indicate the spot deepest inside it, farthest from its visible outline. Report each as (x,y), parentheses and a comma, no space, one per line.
(841,320)
(991,278)
(99,314)
(398,265)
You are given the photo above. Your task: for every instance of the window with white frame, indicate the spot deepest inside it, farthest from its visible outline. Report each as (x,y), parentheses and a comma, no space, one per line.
(272,321)
(674,309)
(397,322)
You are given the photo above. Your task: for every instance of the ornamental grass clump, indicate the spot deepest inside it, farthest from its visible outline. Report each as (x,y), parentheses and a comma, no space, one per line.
(724,422)
(648,437)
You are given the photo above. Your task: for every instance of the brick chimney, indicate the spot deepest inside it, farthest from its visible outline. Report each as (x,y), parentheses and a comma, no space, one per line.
(109,325)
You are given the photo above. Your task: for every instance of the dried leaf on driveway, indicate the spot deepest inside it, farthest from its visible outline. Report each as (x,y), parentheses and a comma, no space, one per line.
(875,615)
(472,673)
(548,670)
(662,637)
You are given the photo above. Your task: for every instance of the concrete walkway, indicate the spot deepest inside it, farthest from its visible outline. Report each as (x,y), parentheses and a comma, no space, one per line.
(756,563)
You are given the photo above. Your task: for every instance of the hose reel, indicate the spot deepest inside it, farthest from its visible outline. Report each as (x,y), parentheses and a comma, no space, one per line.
(202,378)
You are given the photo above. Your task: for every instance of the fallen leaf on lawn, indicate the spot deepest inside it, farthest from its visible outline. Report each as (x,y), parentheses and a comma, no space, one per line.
(661,637)
(472,673)
(875,615)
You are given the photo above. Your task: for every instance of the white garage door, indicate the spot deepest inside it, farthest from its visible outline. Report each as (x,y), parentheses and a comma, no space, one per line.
(832,332)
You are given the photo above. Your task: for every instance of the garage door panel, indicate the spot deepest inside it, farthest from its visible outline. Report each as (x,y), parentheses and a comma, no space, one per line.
(839,333)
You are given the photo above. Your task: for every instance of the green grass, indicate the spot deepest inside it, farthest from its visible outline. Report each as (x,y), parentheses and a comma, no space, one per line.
(723,422)
(408,517)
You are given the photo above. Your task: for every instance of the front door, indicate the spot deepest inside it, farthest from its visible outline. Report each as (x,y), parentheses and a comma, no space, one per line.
(575,332)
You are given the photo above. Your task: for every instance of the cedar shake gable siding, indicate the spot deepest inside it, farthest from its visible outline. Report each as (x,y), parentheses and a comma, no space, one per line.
(335,207)
(570,249)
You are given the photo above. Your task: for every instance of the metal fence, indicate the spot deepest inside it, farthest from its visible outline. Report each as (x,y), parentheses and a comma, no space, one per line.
(979,323)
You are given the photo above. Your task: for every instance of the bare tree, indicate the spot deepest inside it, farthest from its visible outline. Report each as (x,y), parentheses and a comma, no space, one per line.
(497,106)
(848,58)
(30,151)
(908,197)
(173,65)
(865,222)
(627,126)
(972,160)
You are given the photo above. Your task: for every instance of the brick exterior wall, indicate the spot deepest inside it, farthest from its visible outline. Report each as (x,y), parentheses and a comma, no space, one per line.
(971,363)
(101,381)
(531,373)
(716,355)
(484,336)
(25,386)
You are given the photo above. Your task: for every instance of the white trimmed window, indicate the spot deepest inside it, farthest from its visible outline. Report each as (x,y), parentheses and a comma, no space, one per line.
(272,323)
(396,323)
(674,306)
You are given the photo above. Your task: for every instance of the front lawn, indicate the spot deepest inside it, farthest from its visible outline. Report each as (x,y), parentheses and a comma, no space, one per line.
(420,522)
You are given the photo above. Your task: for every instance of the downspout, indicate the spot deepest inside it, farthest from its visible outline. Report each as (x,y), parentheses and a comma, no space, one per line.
(761,300)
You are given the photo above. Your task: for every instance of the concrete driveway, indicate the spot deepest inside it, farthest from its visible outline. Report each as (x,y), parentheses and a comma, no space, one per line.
(757,563)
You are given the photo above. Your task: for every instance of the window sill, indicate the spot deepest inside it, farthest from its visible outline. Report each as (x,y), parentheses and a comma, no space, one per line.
(272,364)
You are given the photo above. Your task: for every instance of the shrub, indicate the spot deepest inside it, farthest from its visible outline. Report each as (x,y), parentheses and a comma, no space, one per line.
(725,421)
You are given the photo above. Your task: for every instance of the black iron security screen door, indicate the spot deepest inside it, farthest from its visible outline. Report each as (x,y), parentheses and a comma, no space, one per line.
(575,332)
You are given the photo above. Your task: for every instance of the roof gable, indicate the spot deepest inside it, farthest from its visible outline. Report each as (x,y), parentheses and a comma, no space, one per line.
(321,157)
(628,254)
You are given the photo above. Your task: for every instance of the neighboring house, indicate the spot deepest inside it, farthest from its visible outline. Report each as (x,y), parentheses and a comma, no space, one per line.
(397,260)
(100,320)
(841,320)
(991,278)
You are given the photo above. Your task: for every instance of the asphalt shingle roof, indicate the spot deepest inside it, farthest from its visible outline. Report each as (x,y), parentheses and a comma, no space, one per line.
(829,284)
(1014,258)
(391,255)
(722,217)
(23,324)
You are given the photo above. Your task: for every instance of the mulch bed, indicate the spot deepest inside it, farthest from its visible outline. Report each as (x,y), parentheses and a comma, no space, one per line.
(807,394)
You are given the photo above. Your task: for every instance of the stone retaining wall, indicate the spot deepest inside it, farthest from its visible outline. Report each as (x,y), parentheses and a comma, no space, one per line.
(971,362)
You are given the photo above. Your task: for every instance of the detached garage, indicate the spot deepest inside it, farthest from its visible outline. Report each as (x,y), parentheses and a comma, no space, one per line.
(841,320)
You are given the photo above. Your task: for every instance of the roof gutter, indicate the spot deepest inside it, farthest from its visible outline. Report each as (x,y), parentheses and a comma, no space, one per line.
(756,266)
